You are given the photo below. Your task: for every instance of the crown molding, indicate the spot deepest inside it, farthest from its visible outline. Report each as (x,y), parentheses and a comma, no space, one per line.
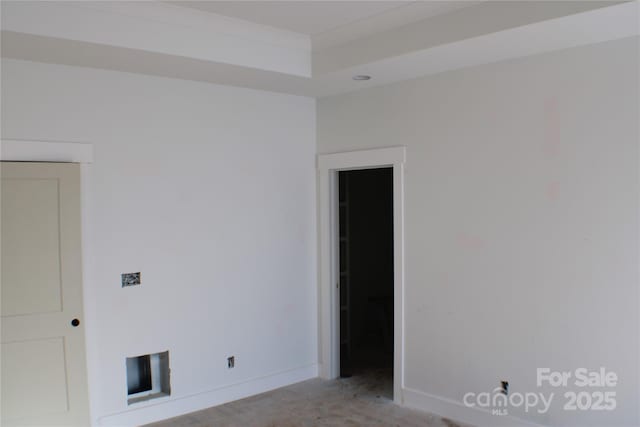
(166,29)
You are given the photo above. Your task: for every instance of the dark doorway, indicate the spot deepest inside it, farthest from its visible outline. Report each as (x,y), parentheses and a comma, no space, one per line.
(366,272)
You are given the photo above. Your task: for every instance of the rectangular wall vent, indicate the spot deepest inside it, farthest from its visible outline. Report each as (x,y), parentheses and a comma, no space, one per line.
(148,377)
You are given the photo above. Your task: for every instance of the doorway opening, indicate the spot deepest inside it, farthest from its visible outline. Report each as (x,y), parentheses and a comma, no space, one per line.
(329,168)
(366,274)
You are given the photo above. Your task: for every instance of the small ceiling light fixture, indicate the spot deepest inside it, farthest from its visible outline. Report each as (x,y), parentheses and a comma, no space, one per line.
(361,77)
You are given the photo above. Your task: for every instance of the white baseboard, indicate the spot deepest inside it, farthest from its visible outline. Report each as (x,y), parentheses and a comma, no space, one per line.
(172,407)
(457,411)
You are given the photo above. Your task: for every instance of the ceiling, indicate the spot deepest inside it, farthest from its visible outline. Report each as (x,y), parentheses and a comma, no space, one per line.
(306,17)
(330,22)
(307,48)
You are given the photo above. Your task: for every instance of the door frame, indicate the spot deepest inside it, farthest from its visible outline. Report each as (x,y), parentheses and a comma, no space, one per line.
(328,275)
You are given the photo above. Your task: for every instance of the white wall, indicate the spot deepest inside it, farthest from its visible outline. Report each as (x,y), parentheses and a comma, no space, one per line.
(209,191)
(521,221)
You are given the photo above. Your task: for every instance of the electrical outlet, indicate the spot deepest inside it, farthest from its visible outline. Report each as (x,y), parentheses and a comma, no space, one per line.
(130,279)
(504,386)
(231,362)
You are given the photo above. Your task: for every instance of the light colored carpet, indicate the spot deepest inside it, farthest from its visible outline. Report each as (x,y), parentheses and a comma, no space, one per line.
(362,400)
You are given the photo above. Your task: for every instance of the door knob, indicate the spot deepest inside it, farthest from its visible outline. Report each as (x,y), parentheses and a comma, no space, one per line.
(75,322)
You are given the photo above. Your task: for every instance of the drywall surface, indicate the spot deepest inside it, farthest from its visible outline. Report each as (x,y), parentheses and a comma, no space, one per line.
(209,192)
(521,199)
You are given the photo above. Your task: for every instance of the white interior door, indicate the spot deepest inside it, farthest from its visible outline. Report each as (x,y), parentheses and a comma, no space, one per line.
(43,354)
